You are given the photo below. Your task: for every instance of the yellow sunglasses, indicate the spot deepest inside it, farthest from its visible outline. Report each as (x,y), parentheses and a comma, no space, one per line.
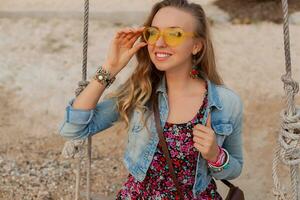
(173,36)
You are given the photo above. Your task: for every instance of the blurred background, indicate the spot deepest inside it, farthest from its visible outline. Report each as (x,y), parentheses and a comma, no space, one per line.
(40,62)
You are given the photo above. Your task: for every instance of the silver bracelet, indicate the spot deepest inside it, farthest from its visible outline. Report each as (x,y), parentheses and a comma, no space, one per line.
(103,77)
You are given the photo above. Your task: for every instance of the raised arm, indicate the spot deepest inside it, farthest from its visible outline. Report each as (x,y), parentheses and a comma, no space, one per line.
(84,116)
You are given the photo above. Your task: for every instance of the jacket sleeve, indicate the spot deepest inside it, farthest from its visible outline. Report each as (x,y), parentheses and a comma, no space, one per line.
(79,123)
(233,144)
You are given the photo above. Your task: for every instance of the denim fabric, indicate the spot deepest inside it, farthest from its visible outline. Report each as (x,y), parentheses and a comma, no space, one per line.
(226,109)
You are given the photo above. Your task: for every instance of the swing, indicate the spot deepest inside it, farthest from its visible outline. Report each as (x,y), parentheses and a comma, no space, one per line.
(75,148)
(287,149)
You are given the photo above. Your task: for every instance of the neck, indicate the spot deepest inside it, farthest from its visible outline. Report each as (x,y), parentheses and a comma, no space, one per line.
(179,81)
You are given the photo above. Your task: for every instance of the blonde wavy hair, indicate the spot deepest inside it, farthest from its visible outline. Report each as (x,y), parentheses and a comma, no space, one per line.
(139,90)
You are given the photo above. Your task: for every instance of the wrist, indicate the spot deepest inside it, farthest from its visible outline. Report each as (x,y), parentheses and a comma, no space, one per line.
(104,76)
(218,159)
(223,165)
(110,68)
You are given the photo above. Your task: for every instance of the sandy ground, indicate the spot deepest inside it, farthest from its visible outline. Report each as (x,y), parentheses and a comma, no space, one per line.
(40,66)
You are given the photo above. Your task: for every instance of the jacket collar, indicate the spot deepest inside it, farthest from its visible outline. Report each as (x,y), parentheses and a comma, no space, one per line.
(213,96)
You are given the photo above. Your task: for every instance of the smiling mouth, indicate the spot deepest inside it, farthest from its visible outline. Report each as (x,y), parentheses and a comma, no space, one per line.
(162,56)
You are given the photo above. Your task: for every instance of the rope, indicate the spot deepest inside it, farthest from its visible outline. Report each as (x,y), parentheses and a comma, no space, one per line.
(75,148)
(287,150)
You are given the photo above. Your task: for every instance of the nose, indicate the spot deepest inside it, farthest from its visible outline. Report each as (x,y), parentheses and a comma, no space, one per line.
(160,42)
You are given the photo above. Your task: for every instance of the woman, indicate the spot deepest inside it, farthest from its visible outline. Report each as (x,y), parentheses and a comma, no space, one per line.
(200,116)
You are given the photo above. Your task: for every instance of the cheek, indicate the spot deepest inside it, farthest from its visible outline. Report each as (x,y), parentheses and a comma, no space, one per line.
(185,48)
(183,52)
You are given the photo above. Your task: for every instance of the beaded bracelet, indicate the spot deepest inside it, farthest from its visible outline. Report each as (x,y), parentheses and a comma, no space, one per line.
(220,158)
(225,165)
(103,77)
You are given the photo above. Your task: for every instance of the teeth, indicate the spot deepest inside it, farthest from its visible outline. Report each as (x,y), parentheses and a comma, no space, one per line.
(162,55)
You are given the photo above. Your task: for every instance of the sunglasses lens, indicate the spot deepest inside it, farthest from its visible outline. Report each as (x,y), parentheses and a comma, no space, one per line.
(151,35)
(173,37)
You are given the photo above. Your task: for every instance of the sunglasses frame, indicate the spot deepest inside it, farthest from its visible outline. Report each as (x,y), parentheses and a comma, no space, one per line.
(162,32)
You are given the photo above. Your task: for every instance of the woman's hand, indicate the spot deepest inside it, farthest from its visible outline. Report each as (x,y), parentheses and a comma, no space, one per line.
(122,49)
(205,140)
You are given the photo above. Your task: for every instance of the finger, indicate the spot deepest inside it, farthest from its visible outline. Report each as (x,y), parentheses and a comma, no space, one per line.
(199,147)
(123,32)
(199,140)
(204,137)
(203,148)
(138,30)
(137,47)
(128,30)
(141,28)
(125,38)
(137,34)
(208,121)
(204,141)
(129,36)
(132,33)
(199,133)
(128,33)
(132,40)
(200,127)
(117,35)
(133,30)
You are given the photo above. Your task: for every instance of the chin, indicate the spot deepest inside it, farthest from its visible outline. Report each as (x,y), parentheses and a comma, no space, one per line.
(163,66)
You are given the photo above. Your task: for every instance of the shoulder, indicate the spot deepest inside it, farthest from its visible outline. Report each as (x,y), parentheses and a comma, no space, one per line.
(229,94)
(230,99)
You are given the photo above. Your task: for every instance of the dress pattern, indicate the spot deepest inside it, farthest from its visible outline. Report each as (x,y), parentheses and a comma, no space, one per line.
(158,183)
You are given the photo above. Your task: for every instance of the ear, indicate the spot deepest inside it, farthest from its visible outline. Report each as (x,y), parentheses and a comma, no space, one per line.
(197,46)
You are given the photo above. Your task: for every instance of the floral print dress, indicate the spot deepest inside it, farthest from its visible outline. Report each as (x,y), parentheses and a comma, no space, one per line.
(158,183)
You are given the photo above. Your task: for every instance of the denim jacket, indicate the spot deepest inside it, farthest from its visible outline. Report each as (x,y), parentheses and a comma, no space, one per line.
(226,109)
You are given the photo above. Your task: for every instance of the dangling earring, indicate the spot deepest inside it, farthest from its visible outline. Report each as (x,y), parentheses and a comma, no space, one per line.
(195,72)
